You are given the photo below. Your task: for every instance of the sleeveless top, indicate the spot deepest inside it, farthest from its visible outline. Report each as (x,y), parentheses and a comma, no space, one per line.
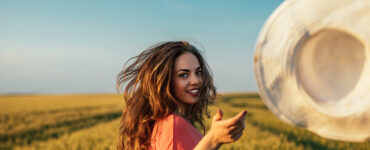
(174,133)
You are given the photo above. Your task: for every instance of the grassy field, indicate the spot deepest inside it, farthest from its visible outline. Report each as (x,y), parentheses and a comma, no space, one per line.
(91,122)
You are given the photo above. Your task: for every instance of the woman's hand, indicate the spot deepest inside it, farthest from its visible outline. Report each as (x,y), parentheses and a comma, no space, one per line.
(227,131)
(223,131)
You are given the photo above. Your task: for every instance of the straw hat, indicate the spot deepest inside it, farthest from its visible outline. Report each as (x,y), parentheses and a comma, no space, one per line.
(312,66)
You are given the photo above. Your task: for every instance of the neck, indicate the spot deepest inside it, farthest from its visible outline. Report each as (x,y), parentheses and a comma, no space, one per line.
(181,112)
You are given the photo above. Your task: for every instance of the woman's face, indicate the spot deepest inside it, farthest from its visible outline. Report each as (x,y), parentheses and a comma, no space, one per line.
(187,78)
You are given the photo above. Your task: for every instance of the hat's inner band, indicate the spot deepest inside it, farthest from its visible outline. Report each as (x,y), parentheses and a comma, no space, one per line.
(331,65)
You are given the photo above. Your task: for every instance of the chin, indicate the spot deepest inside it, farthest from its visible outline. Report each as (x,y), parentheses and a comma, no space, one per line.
(187,99)
(192,101)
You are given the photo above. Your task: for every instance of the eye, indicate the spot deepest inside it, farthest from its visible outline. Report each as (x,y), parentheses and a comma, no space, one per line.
(199,72)
(183,75)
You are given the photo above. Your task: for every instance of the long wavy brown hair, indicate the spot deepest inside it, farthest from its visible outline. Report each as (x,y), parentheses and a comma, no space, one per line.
(149,96)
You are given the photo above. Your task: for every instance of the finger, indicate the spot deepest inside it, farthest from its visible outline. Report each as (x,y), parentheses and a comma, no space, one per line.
(242,121)
(236,130)
(232,128)
(236,118)
(236,125)
(237,136)
(218,115)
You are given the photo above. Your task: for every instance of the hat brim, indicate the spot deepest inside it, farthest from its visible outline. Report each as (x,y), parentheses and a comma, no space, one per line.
(312,66)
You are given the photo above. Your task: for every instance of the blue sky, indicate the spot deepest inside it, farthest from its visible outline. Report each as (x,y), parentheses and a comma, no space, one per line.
(80,46)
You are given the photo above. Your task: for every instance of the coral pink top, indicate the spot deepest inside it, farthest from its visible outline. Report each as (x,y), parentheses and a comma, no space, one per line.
(174,133)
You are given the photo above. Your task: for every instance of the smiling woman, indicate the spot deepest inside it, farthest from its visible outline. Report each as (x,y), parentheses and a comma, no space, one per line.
(188,78)
(167,90)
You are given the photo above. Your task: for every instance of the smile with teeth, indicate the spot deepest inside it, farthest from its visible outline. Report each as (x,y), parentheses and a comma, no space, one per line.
(193,92)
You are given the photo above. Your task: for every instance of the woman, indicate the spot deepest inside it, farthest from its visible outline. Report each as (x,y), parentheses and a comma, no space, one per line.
(167,90)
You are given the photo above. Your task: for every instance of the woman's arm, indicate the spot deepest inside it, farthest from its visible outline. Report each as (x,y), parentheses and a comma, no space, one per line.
(222,131)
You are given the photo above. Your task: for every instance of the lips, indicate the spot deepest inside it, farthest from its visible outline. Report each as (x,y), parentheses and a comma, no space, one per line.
(193,92)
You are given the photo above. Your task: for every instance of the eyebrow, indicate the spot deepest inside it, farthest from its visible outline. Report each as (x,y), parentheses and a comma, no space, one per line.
(187,70)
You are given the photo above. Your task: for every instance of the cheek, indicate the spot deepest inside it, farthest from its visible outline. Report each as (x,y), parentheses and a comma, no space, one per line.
(200,79)
(179,87)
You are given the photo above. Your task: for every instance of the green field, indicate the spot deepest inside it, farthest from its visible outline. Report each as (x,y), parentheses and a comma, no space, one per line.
(91,122)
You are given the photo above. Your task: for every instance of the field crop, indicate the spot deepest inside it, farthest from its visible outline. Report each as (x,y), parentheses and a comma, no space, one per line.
(26,119)
(91,122)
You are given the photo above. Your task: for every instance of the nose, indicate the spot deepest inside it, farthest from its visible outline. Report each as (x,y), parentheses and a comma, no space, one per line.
(195,80)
